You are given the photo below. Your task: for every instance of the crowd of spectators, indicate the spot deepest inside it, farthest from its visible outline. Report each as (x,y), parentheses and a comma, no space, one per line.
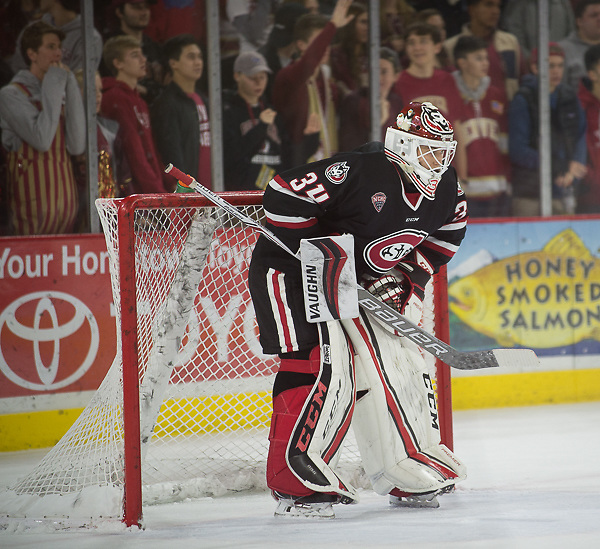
(295,83)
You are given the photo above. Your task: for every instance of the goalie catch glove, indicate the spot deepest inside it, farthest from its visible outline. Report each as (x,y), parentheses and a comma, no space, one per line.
(396,290)
(403,287)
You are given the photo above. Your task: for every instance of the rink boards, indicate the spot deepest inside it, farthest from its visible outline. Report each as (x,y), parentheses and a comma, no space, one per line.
(541,285)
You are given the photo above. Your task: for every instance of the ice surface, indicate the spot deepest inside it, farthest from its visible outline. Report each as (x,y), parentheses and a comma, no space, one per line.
(534,482)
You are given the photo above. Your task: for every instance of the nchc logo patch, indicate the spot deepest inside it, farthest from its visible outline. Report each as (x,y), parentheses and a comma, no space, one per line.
(336,173)
(378,200)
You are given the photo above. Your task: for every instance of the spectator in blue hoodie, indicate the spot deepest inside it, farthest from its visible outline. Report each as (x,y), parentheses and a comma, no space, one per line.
(568,127)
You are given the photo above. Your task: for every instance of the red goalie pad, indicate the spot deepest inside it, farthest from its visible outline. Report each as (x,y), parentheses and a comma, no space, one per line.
(286,408)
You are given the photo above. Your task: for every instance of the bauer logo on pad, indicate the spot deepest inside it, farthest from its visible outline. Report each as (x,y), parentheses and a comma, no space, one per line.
(329,278)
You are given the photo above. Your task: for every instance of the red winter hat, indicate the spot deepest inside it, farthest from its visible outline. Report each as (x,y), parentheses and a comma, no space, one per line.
(554,48)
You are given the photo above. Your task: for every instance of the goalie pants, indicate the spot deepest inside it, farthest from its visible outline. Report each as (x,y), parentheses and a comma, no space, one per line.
(278,300)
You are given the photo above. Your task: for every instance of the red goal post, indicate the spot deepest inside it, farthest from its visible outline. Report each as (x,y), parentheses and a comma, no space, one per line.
(184,410)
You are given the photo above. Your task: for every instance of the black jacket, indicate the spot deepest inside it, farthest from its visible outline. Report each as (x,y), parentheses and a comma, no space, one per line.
(176,129)
(254,151)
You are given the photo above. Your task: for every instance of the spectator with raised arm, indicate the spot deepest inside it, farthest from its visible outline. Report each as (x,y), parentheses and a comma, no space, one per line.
(43,123)
(303,90)
(349,56)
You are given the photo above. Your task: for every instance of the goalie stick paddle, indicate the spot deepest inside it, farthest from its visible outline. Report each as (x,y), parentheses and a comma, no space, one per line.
(474,360)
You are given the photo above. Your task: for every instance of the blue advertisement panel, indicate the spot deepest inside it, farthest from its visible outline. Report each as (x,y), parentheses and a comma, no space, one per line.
(533,284)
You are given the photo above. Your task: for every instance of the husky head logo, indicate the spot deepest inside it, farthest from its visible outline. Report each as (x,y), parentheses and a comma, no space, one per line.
(336,173)
(435,123)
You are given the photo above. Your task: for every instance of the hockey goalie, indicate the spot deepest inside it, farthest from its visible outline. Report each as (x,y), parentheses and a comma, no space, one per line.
(402,204)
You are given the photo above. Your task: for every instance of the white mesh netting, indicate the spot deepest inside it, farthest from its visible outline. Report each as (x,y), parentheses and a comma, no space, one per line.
(210,437)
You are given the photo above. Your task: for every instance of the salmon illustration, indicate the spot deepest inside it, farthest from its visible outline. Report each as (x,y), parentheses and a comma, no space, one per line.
(542,299)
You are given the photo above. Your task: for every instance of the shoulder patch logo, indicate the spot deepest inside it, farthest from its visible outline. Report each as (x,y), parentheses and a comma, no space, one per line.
(336,173)
(378,200)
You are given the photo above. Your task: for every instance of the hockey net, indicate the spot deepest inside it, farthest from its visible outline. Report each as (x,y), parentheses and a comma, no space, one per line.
(189,379)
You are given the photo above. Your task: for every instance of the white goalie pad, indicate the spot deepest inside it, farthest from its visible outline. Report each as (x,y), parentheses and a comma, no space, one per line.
(395,419)
(329,278)
(316,442)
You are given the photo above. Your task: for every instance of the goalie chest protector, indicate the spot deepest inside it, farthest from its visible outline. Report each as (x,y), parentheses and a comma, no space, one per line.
(363,193)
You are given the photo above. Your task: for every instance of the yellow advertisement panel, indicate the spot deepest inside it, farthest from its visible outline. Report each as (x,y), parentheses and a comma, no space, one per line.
(533,284)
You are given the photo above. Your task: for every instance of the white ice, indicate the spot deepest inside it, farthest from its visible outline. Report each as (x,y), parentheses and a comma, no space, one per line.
(534,482)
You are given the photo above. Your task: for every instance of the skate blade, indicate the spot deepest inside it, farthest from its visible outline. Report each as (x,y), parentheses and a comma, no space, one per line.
(319,511)
(414,502)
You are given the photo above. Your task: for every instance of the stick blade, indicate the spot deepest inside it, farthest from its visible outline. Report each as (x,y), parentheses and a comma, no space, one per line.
(521,358)
(476,360)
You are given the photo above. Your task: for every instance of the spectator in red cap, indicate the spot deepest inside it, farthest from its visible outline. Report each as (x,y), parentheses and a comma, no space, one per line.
(567,127)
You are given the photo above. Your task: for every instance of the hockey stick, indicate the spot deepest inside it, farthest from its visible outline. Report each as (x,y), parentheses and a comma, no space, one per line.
(460,360)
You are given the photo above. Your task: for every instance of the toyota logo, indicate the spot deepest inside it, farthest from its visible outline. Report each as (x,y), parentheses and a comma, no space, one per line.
(45,329)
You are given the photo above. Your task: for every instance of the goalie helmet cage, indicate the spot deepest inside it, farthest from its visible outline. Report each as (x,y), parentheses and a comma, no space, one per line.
(184,409)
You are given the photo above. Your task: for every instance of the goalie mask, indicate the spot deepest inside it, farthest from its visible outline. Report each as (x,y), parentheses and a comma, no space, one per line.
(422,144)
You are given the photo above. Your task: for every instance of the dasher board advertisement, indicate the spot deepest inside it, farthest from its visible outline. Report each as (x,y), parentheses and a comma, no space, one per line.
(533,284)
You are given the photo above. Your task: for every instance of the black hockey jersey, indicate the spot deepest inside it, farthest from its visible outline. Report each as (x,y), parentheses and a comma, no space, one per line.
(363,193)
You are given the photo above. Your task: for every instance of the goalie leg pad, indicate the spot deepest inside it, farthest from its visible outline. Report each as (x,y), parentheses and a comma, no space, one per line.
(293,384)
(286,409)
(316,440)
(395,425)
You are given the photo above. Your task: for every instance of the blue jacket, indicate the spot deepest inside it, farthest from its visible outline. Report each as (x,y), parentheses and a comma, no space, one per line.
(568,125)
